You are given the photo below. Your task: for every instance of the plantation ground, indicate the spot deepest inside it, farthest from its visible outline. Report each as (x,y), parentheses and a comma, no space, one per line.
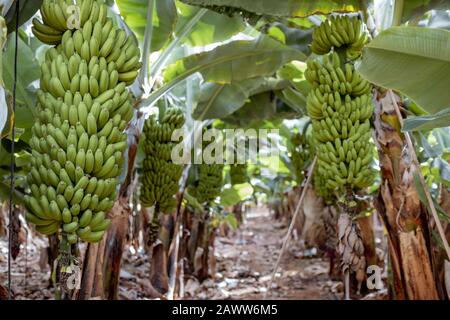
(244,263)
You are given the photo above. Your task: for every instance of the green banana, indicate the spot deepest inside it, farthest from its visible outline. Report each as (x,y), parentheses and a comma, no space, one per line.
(339,105)
(157,147)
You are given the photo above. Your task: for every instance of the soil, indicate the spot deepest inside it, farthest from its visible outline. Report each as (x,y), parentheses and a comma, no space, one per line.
(244,263)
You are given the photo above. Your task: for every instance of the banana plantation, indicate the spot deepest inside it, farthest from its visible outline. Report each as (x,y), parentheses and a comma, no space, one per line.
(224,150)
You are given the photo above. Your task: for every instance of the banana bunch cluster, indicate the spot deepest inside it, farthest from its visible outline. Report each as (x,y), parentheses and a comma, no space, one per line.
(109,55)
(300,155)
(61,15)
(340,107)
(341,32)
(321,188)
(327,76)
(209,183)
(78,140)
(160,175)
(238,173)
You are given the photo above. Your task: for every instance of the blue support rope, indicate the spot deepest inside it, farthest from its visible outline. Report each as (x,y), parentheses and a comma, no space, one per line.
(12,189)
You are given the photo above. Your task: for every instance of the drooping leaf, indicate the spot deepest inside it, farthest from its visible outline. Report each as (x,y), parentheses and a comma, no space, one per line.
(431,151)
(295,72)
(444,169)
(134,13)
(27,9)
(275,164)
(28,71)
(299,39)
(419,189)
(232,221)
(423,198)
(413,9)
(218,100)
(437,120)
(295,96)
(235,194)
(212,27)
(236,61)
(276,33)
(412,60)
(285,8)
(438,19)
(192,201)
(295,99)
(18,197)
(259,107)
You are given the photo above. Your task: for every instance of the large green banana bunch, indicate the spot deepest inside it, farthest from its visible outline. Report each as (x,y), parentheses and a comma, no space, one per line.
(238,173)
(160,175)
(300,154)
(340,32)
(78,140)
(321,188)
(340,107)
(209,183)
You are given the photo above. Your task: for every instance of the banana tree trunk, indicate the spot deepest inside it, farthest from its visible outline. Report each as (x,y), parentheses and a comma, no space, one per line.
(159,276)
(102,262)
(192,245)
(114,247)
(398,205)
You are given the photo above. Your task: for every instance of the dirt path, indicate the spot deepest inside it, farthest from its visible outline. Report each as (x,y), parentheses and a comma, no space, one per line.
(245,263)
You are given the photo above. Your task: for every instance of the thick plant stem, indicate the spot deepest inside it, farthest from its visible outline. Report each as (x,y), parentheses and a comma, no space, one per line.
(422,180)
(173,263)
(88,276)
(398,12)
(400,209)
(143,73)
(102,260)
(115,244)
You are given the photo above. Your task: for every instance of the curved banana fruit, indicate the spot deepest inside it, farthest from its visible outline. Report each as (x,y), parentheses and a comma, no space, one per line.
(83,108)
(342,32)
(340,108)
(158,147)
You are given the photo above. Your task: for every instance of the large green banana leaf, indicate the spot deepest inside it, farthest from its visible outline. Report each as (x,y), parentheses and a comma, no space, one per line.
(27,9)
(221,100)
(236,193)
(414,61)
(428,122)
(285,8)
(413,9)
(234,61)
(28,71)
(169,17)
(212,27)
(260,107)
(165,16)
